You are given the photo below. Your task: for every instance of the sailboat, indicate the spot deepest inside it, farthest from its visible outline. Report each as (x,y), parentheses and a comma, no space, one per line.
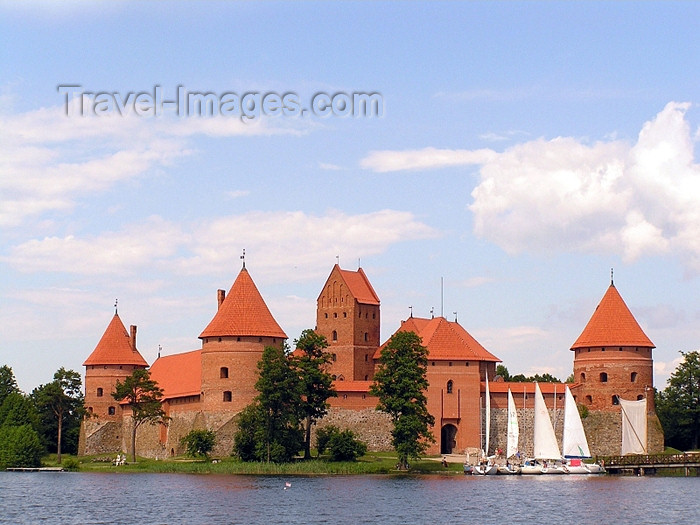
(513,435)
(486,467)
(574,442)
(546,450)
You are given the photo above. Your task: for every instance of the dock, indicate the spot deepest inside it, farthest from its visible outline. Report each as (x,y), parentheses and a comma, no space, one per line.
(688,463)
(34,469)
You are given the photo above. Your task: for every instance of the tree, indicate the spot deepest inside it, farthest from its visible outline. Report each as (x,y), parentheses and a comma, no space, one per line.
(342,445)
(60,404)
(268,429)
(8,383)
(316,383)
(199,443)
(144,397)
(18,410)
(678,406)
(400,384)
(19,446)
(502,371)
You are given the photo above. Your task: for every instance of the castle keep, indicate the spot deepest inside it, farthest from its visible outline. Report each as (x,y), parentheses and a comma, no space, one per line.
(209,386)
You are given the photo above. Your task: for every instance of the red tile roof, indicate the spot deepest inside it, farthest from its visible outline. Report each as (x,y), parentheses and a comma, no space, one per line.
(115,347)
(352,386)
(243,313)
(612,324)
(179,375)
(445,340)
(518,388)
(359,286)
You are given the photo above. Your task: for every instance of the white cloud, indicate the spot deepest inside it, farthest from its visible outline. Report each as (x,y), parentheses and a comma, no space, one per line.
(427,158)
(277,242)
(49,159)
(545,196)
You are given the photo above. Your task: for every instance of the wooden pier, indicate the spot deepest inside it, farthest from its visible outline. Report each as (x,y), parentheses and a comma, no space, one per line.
(34,469)
(688,463)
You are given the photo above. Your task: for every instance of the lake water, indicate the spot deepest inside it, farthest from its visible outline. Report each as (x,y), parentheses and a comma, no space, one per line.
(107,499)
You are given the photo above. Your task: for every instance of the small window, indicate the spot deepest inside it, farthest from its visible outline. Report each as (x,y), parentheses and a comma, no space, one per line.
(345,314)
(583,377)
(366,337)
(615,400)
(366,357)
(334,336)
(589,400)
(335,315)
(366,379)
(633,377)
(640,397)
(449,386)
(333,357)
(219,339)
(449,364)
(111,411)
(223,372)
(227,396)
(603,377)
(99,392)
(326,314)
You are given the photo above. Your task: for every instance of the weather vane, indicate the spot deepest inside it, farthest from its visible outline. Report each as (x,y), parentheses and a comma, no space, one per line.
(243,257)
(116,301)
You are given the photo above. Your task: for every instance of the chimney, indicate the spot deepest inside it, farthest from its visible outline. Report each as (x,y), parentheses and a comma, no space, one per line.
(132,337)
(220,296)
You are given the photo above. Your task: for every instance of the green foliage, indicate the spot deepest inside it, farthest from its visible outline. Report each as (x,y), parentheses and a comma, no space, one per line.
(199,443)
(582,411)
(60,407)
(678,406)
(316,383)
(502,371)
(71,464)
(342,445)
(143,396)
(400,384)
(269,428)
(17,410)
(323,436)
(8,383)
(20,447)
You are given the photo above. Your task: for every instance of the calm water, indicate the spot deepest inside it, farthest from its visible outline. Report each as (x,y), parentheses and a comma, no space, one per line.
(92,498)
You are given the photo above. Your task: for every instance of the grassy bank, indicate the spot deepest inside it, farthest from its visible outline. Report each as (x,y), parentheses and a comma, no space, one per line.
(374,463)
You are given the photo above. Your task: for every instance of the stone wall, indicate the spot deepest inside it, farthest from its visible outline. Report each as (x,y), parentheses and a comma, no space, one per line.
(369,425)
(100,437)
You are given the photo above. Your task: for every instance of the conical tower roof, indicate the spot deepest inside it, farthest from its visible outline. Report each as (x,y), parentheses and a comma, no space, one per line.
(115,347)
(612,324)
(243,313)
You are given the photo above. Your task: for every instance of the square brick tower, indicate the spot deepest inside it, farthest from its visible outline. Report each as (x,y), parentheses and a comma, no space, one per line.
(347,314)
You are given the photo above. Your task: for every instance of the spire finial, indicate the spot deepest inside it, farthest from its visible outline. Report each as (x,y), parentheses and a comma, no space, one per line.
(612,283)
(455,316)
(243,258)
(116,301)
(159,349)
(432,312)
(337,260)
(411,309)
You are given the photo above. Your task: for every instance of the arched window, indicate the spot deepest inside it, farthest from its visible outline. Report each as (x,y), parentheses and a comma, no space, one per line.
(583,377)
(99,392)
(603,377)
(227,396)
(449,386)
(334,336)
(223,372)
(633,377)
(366,337)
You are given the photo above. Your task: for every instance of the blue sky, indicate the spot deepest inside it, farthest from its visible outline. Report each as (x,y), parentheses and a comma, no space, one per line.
(523,150)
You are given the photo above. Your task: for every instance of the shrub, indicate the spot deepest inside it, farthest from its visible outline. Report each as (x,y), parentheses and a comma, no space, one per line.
(20,447)
(323,435)
(71,464)
(199,443)
(342,445)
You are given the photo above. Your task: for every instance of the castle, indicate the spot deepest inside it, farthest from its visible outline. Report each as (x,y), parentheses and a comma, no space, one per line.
(208,387)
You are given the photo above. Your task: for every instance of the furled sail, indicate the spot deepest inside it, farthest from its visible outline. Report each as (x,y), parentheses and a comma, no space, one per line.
(513,429)
(574,443)
(488,417)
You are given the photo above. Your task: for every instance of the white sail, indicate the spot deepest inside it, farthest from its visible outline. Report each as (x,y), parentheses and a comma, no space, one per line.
(545,442)
(488,417)
(634,426)
(574,443)
(513,429)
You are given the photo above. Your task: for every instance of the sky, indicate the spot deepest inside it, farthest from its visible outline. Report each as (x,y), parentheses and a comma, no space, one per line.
(510,155)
